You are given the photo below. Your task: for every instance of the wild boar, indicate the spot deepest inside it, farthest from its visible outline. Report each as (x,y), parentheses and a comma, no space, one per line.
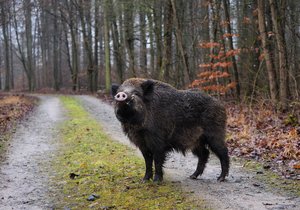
(159,119)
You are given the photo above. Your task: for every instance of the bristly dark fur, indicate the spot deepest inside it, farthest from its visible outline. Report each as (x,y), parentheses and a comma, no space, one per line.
(159,118)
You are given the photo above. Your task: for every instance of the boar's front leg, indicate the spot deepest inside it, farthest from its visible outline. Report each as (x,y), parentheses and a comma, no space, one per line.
(159,159)
(148,156)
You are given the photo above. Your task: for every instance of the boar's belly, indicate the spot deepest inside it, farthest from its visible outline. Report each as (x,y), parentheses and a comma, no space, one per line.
(185,138)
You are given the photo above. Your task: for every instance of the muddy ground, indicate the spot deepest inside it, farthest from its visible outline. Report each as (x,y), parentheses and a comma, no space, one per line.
(24,174)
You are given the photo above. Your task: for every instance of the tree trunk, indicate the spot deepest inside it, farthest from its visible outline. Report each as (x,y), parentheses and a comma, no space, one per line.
(0,71)
(29,49)
(265,47)
(180,46)
(96,43)
(129,35)
(85,18)
(157,20)
(55,48)
(168,32)
(107,48)
(226,5)
(151,41)
(278,24)
(4,23)
(294,58)
(143,43)
(11,64)
(117,45)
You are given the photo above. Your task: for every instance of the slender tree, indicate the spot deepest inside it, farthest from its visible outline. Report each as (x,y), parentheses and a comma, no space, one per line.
(278,19)
(266,51)
(128,7)
(226,5)
(107,48)
(143,41)
(168,33)
(179,39)
(4,22)
(118,49)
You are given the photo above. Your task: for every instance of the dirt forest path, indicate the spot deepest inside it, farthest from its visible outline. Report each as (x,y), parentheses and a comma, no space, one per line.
(24,174)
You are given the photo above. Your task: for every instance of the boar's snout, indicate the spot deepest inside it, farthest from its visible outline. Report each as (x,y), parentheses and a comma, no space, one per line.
(121,96)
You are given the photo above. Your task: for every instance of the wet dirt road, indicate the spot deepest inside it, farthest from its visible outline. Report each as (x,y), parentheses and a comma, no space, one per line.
(24,174)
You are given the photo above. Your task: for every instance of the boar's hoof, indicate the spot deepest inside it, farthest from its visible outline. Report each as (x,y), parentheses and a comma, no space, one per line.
(221,178)
(147,177)
(193,176)
(121,96)
(157,179)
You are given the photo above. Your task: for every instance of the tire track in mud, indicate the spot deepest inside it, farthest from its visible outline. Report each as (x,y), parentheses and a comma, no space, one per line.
(25,172)
(240,192)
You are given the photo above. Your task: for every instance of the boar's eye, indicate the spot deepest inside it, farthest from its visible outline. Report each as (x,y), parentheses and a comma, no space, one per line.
(136,94)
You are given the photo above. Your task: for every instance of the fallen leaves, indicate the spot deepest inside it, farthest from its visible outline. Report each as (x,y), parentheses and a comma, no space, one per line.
(296,166)
(13,108)
(262,134)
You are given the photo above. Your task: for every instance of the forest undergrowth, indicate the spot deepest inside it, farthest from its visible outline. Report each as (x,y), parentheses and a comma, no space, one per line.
(13,108)
(259,132)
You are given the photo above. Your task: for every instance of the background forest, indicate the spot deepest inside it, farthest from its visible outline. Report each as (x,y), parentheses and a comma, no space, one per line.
(246,49)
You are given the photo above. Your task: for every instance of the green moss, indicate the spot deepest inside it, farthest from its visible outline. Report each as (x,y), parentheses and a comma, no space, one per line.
(273,180)
(5,138)
(108,169)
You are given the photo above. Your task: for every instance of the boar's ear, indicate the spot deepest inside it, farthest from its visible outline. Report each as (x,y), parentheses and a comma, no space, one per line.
(147,87)
(114,88)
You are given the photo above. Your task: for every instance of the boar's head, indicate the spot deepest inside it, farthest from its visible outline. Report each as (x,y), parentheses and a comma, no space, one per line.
(130,100)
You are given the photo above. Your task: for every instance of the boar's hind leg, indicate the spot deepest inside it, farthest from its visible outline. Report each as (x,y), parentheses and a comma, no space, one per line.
(159,159)
(217,145)
(148,156)
(202,153)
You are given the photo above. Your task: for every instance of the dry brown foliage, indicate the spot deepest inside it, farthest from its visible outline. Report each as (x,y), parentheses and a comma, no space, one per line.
(265,135)
(13,108)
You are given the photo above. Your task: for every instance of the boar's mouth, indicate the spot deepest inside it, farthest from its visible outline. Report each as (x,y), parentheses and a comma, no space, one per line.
(127,114)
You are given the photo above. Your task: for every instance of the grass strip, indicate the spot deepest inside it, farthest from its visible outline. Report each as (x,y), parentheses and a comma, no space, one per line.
(108,170)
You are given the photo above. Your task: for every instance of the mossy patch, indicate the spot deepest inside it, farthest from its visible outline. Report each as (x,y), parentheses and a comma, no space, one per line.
(272,180)
(92,163)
